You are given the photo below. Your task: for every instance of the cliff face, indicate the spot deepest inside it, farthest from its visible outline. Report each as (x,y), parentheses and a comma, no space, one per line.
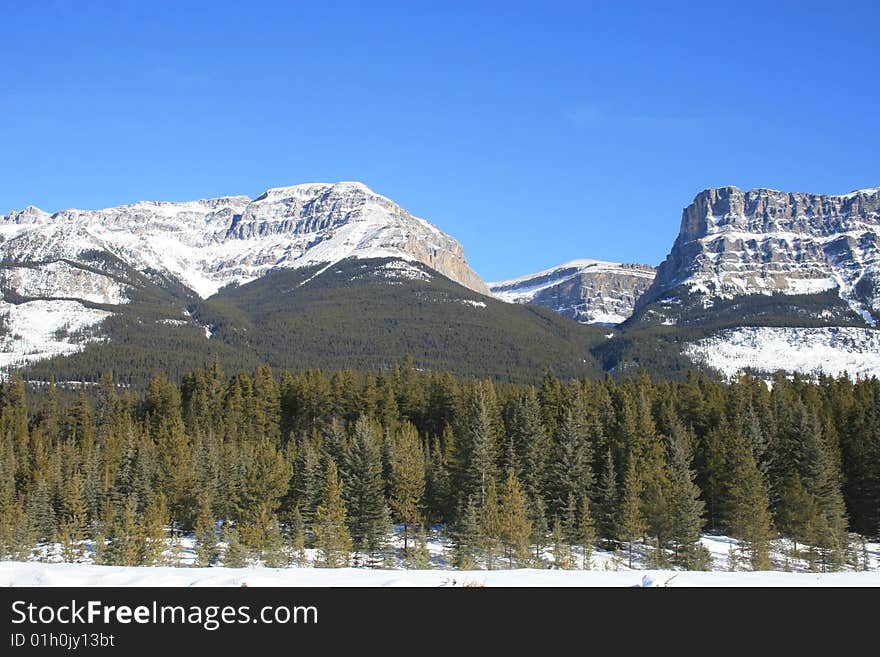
(210,243)
(588,291)
(732,242)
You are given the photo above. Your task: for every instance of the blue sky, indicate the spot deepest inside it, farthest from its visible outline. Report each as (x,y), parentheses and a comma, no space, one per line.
(533,132)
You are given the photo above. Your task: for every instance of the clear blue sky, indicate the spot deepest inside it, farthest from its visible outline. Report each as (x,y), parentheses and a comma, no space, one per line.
(532,132)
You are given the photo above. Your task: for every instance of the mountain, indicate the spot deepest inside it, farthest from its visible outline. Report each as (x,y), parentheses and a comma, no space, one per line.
(315,275)
(763,280)
(64,274)
(360,313)
(734,243)
(587,291)
(210,243)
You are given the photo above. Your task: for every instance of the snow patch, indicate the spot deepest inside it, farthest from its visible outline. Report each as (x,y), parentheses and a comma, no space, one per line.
(828,350)
(41,329)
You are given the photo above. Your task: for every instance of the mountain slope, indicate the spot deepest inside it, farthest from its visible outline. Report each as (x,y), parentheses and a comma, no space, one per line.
(588,291)
(65,278)
(763,280)
(359,313)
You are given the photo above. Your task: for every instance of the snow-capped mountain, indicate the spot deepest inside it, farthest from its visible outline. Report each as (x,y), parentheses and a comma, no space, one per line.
(588,291)
(210,243)
(775,280)
(734,243)
(63,273)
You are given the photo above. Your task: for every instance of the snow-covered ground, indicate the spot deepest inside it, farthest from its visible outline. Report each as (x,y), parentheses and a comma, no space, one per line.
(832,350)
(42,329)
(606,569)
(42,574)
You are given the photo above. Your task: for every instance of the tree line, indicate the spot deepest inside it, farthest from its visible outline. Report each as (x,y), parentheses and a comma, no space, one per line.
(260,465)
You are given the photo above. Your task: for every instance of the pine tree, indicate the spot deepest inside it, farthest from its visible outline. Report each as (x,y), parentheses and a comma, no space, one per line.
(686,506)
(364,490)
(127,540)
(419,558)
(631,523)
(41,512)
(407,478)
(538,520)
(265,482)
(206,532)
(490,525)
(298,538)
(586,535)
(479,448)
(236,553)
(468,538)
(75,510)
(607,497)
(156,518)
(331,532)
(749,517)
(514,525)
(561,547)
(274,552)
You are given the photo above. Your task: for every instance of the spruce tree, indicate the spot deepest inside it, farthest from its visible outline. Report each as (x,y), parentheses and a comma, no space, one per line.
(685,505)
(561,546)
(607,501)
(364,490)
(41,512)
(749,516)
(631,524)
(298,538)
(571,472)
(332,539)
(236,554)
(407,478)
(274,553)
(155,519)
(467,536)
(514,522)
(479,448)
(532,443)
(490,525)
(419,558)
(538,521)
(206,532)
(586,535)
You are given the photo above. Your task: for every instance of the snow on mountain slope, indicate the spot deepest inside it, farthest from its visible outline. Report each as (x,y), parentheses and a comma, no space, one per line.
(588,291)
(210,243)
(203,244)
(41,329)
(734,242)
(61,279)
(812,351)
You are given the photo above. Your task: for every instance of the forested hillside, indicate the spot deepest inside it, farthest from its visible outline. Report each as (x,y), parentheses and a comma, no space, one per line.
(263,464)
(359,313)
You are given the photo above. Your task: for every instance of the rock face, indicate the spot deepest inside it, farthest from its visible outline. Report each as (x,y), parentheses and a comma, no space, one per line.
(762,241)
(588,291)
(62,274)
(210,243)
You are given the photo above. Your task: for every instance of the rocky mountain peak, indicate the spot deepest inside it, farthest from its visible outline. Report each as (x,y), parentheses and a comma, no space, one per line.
(212,242)
(588,291)
(734,242)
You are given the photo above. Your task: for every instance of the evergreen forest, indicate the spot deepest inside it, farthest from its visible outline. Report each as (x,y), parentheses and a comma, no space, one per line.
(264,467)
